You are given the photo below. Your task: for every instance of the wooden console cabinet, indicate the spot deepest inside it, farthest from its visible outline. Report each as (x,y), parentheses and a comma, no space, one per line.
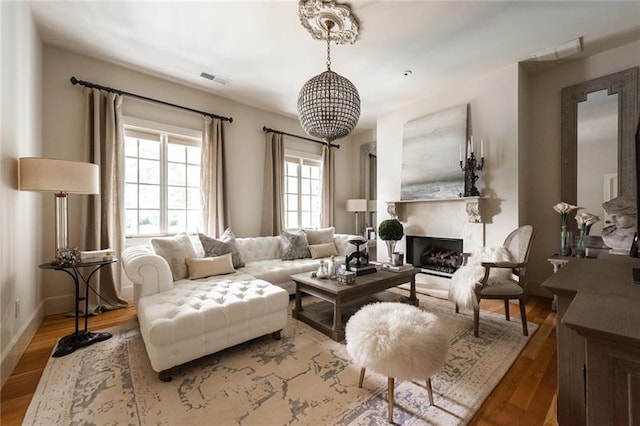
(598,334)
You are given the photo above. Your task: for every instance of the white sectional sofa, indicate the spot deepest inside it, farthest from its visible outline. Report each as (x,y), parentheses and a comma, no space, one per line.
(186,319)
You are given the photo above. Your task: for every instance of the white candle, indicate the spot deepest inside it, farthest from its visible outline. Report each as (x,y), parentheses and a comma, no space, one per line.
(481,148)
(460,152)
(472,144)
(468,149)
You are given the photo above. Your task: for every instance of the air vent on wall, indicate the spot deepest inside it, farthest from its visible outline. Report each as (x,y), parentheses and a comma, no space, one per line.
(215,78)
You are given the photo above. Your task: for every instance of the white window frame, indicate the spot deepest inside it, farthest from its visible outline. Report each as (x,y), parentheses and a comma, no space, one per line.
(166,134)
(302,158)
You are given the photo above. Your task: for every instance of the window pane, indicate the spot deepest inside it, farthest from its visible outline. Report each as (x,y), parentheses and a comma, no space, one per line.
(292,185)
(149,196)
(306,203)
(176,153)
(306,171)
(193,175)
(149,222)
(131,196)
(177,174)
(193,198)
(305,186)
(131,169)
(315,172)
(176,221)
(131,222)
(291,202)
(149,171)
(130,146)
(292,220)
(292,169)
(149,149)
(315,187)
(177,197)
(306,220)
(193,221)
(193,155)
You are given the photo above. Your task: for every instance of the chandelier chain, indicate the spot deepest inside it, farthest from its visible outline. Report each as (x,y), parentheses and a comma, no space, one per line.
(328,52)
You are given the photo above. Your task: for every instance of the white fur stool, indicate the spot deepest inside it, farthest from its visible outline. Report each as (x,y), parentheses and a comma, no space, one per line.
(397,340)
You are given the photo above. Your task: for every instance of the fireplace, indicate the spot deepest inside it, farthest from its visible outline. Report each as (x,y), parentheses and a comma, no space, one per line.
(435,256)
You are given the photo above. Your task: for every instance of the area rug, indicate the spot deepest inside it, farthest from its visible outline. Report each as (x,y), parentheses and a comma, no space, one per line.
(306,378)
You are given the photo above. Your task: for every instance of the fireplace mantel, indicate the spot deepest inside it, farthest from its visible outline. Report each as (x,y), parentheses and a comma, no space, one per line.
(473,206)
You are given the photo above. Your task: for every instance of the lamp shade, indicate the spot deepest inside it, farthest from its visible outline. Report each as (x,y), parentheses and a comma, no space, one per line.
(357,205)
(53,175)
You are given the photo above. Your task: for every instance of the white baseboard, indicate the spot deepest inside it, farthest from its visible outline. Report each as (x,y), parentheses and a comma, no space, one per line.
(19,344)
(58,304)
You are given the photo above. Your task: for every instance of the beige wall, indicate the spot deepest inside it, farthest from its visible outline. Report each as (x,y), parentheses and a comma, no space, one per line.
(493,100)
(543,151)
(63,123)
(21,219)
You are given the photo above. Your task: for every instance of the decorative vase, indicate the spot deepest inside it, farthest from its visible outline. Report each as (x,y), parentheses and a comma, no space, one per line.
(391,246)
(580,244)
(565,242)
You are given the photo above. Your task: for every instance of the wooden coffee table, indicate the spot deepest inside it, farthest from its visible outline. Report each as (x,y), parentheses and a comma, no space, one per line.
(340,301)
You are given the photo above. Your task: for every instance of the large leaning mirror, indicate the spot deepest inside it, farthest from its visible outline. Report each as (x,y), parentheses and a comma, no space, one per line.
(598,151)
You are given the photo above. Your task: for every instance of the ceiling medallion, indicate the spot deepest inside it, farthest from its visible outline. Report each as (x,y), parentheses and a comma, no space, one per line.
(314,15)
(328,104)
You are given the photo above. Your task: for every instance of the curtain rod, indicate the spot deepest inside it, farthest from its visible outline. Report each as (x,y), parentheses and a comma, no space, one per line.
(75,81)
(267,130)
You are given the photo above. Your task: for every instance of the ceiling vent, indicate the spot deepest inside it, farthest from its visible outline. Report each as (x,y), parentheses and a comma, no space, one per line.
(215,78)
(565,50)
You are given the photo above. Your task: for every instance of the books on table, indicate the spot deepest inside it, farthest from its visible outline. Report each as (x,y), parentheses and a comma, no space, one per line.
(97,255)
(394,268)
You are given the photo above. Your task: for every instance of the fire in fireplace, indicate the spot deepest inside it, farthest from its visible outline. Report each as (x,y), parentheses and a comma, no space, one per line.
(439,256)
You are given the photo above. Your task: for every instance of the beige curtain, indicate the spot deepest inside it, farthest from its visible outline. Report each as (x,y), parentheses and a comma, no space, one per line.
(103,215)
(328,188)
(273,193)
(215,212)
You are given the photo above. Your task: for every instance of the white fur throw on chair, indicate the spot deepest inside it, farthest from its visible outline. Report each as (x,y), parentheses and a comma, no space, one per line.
(465,278)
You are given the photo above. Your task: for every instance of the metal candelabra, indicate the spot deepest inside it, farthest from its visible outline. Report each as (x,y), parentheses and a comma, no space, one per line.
(472,166)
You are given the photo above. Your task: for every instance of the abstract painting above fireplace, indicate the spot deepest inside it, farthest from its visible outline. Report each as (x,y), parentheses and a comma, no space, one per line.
(431,155)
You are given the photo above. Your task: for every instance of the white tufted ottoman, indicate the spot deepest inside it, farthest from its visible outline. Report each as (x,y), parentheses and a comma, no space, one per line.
(197,318)
(397,340)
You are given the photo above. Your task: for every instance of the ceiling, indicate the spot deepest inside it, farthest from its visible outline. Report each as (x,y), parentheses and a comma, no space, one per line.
(261,48)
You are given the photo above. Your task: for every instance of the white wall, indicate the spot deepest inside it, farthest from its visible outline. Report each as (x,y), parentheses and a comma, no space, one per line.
(21,218)
(63,129)
(543,151)
(493,100)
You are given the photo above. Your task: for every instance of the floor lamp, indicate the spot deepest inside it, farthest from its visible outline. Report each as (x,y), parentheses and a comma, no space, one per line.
(61,177)
(356,206)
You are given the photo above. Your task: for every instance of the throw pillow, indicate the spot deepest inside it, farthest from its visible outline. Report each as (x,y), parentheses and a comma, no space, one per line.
(209,266)
(323,250)
(294,245)
(319,236)
(175,250)
(226,244)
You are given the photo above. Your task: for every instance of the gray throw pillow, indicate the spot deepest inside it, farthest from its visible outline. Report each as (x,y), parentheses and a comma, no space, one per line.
(226,244)
(294,245)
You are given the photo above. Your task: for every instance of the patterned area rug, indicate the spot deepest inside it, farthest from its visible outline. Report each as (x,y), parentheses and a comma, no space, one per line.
(305,378)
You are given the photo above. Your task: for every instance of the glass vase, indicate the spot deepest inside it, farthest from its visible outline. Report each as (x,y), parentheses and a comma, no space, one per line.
(580,244)
(565,242)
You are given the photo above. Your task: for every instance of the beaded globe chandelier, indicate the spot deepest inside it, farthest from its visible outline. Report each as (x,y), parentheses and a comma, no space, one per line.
(328,104)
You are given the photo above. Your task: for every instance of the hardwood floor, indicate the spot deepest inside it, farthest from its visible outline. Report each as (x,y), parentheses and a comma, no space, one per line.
(525,396)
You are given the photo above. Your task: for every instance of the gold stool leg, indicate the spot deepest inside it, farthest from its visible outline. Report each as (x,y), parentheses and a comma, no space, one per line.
(430,391)
(361,377)
(390,386)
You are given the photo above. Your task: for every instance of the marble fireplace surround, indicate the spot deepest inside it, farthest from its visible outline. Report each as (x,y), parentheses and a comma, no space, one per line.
(443,218)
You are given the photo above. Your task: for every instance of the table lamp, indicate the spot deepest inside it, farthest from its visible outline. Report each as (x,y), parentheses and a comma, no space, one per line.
(357,205)
(61,177)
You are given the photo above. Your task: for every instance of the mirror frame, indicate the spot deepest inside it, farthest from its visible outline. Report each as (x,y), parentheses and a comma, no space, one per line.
(625,84)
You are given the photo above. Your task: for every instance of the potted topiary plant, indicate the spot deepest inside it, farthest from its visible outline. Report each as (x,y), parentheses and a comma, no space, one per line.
(390,230)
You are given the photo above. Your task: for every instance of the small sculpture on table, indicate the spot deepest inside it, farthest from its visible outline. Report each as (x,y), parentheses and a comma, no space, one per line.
(360,259)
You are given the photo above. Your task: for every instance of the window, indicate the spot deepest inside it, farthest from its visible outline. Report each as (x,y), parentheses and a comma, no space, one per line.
(302,192)
(162,183)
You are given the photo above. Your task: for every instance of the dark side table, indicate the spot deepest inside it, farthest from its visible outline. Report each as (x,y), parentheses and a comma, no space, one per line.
(80,338)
